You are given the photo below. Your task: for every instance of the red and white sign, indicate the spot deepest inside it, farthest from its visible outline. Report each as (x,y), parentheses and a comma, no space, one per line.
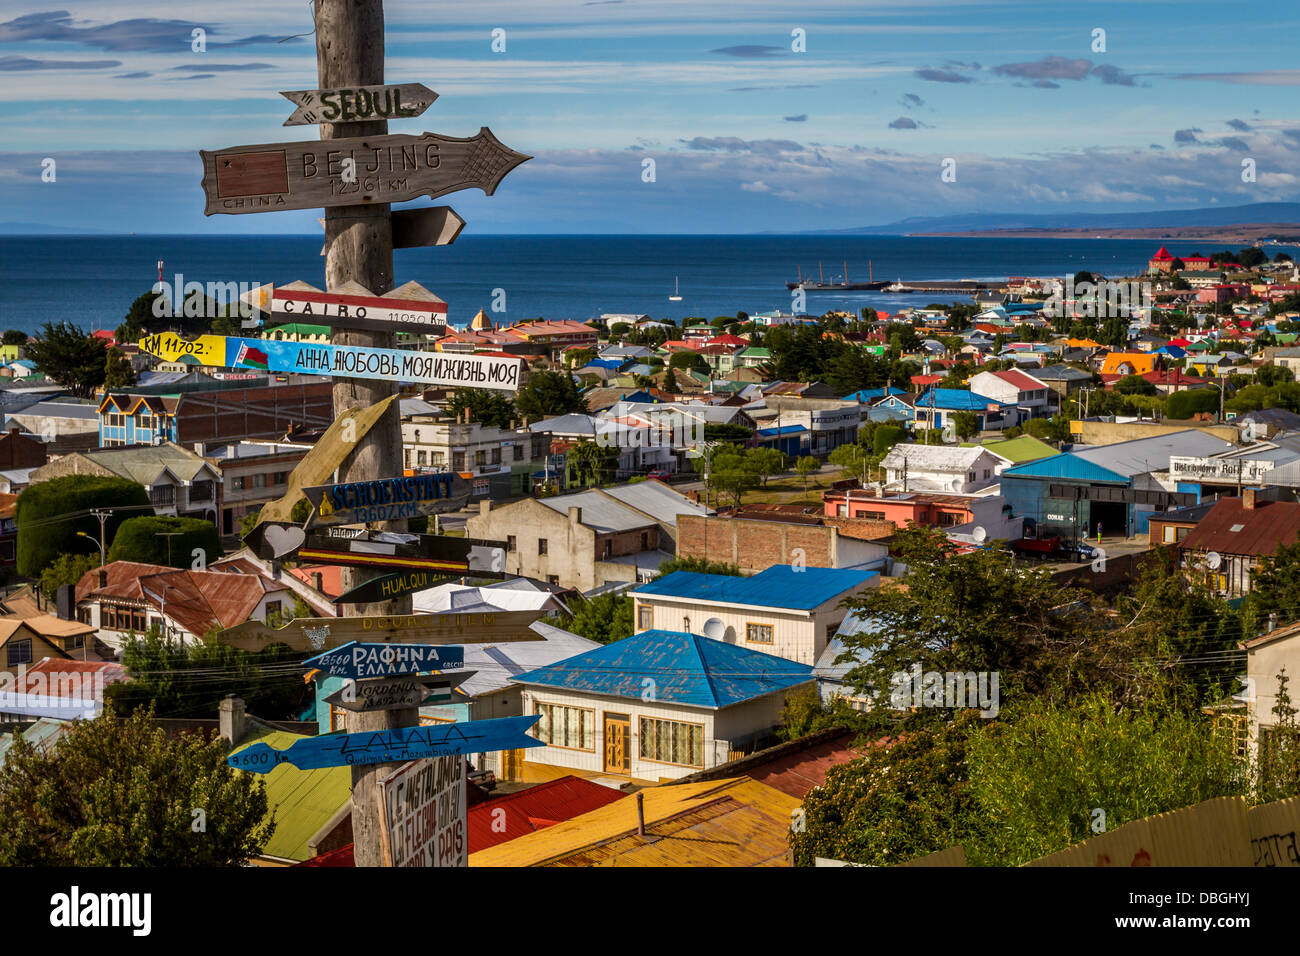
(346,311)
(423,813)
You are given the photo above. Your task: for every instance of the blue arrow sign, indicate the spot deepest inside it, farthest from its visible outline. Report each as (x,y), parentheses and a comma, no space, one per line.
(357,660)
(391,746)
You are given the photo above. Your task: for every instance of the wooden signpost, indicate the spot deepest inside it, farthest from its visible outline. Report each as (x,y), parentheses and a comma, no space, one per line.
(387,499)
(324,633)
(271,177)
(386,313)
(396,745)
(356,660)
(393,585)
(396,693)
(358,104)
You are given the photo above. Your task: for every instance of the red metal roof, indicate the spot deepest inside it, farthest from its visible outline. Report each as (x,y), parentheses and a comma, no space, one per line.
(1161,256)
(1023,382)
(1259,531)
(535,808)
(797,773)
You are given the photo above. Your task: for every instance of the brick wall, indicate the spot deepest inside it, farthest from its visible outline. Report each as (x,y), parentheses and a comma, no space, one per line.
(754,545)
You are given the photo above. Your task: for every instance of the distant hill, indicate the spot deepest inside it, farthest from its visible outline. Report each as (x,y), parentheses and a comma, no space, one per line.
(1263,212)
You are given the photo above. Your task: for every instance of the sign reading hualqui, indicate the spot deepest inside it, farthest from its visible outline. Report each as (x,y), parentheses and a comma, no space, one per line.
(350,361)
(387,499)
(423,814)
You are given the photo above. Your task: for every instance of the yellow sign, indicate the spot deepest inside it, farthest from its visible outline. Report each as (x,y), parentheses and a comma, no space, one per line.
(170,347)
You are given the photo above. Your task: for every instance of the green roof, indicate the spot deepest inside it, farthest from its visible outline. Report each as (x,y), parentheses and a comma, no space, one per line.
(297,328)
(755,351)
(301,801)
(1020,450)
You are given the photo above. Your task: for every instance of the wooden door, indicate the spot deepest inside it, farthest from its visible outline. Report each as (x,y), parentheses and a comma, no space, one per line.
(618,743)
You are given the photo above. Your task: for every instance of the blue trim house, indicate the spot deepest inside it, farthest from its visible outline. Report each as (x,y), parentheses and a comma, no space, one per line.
(658,705)
(991,413)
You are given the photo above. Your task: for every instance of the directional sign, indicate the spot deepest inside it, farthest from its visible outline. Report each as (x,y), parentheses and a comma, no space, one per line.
(348,361)
(395,693)
(355,171)
(393,585)
(387,499)
(397,551)
(322,633)
(397,745)
(341,310)
(432,226)
(357,660)
(358,104)
(422,816)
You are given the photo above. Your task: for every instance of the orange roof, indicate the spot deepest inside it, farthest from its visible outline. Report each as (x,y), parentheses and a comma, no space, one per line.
(331,577)
(1129,363)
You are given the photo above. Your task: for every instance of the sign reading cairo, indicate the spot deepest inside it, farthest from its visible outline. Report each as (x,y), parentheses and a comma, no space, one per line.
(358,104)
(397,745)
(373,312)
(387,499)
(355,171)
(400,365)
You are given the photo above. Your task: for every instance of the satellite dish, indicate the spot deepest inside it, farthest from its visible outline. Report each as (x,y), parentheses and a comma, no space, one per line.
(714,629)
(980,535)
(1213,560)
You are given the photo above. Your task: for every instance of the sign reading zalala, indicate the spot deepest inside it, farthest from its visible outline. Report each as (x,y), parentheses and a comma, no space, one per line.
(387,499)
(355,171)
(358,104)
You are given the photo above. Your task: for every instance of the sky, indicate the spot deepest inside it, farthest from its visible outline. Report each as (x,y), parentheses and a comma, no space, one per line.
(759,116)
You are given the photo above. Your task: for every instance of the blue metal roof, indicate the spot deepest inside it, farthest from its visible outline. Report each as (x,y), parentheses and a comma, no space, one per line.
(783,430)
(957,399)
(781,585)
(1068,466)
(685,668)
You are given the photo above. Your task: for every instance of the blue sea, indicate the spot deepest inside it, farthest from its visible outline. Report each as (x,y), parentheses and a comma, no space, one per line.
(93,280)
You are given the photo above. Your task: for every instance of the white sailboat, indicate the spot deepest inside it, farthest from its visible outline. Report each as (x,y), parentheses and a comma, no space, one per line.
(676,296)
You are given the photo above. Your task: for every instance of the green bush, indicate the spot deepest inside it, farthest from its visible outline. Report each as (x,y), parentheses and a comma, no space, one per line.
(886,437)
(49,515)
(142,539)
(1187,403)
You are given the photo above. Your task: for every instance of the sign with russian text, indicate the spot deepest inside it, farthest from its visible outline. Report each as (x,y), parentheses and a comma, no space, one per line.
(423,814)
(358,104)
(396,745)
(349,361)
(355,171)
(387,499)
(357,660)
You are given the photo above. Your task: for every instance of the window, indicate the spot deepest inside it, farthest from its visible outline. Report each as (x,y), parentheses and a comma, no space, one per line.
(338,718)
(406,458)
(571,727)
(541,546)
(75,641)
(421,457)
(645,617)
(163,495)
(669,741)
(496,456)
(553,579)
(480,458)
(20,652)
(519,453)
(510,542)
(201,491)
(458,461)
(645,540)
(758,633)
(239,483)
(1169,535)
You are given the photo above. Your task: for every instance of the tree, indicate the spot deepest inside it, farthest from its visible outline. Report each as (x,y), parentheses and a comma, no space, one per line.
(50,514)
(765,462)
(488,407)
(966,424)
(687,360)
(1189,402)
(1135,385)
(853,460)
(66,569)
(605,618)
(69,356)
(117,791)
(1275,585)
(145,539)
(886,436)
(670,382)
(1036,778)
(593,463)
(118,372)
(732,473)
(699,566)
(805,466)
(546,394)
(1277,764)
(14,337)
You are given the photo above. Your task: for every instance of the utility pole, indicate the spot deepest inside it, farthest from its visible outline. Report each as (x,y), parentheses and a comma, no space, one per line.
(103,517)
(359,248)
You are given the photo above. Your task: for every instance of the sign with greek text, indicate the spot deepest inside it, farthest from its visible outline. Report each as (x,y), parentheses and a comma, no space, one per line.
(357,660)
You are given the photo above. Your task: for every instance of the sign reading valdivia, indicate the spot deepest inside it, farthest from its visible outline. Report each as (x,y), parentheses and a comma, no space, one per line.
(358,660)
(387,499)
(266,355)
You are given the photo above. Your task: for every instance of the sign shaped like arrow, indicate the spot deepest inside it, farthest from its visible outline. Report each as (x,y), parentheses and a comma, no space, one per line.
(431,226)
(395,693)
(391,746)
(310,634)
(355,171)
(357,660)
(375,312)
(358,104)
(393,585)
(397,551)
(387,499)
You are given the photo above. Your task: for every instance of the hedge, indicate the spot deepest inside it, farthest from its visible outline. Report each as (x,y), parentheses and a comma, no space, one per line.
(141,539)
(43,537)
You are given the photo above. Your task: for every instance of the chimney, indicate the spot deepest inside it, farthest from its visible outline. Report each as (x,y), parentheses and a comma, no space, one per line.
(575,515)
(103,578)
(1248,499)
(465,416)
(230,719)
(318,581)
(640,813)
(13,431)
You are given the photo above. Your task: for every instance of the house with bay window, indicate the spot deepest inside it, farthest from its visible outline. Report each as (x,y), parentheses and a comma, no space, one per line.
(658,705)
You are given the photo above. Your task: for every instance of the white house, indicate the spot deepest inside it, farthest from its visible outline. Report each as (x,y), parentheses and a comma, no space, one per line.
(1015,387)
(954,470)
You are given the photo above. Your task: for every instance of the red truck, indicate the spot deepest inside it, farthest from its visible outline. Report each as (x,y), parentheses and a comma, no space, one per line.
(1038,547)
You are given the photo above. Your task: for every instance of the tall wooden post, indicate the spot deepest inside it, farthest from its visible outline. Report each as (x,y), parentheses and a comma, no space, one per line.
(359,248)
